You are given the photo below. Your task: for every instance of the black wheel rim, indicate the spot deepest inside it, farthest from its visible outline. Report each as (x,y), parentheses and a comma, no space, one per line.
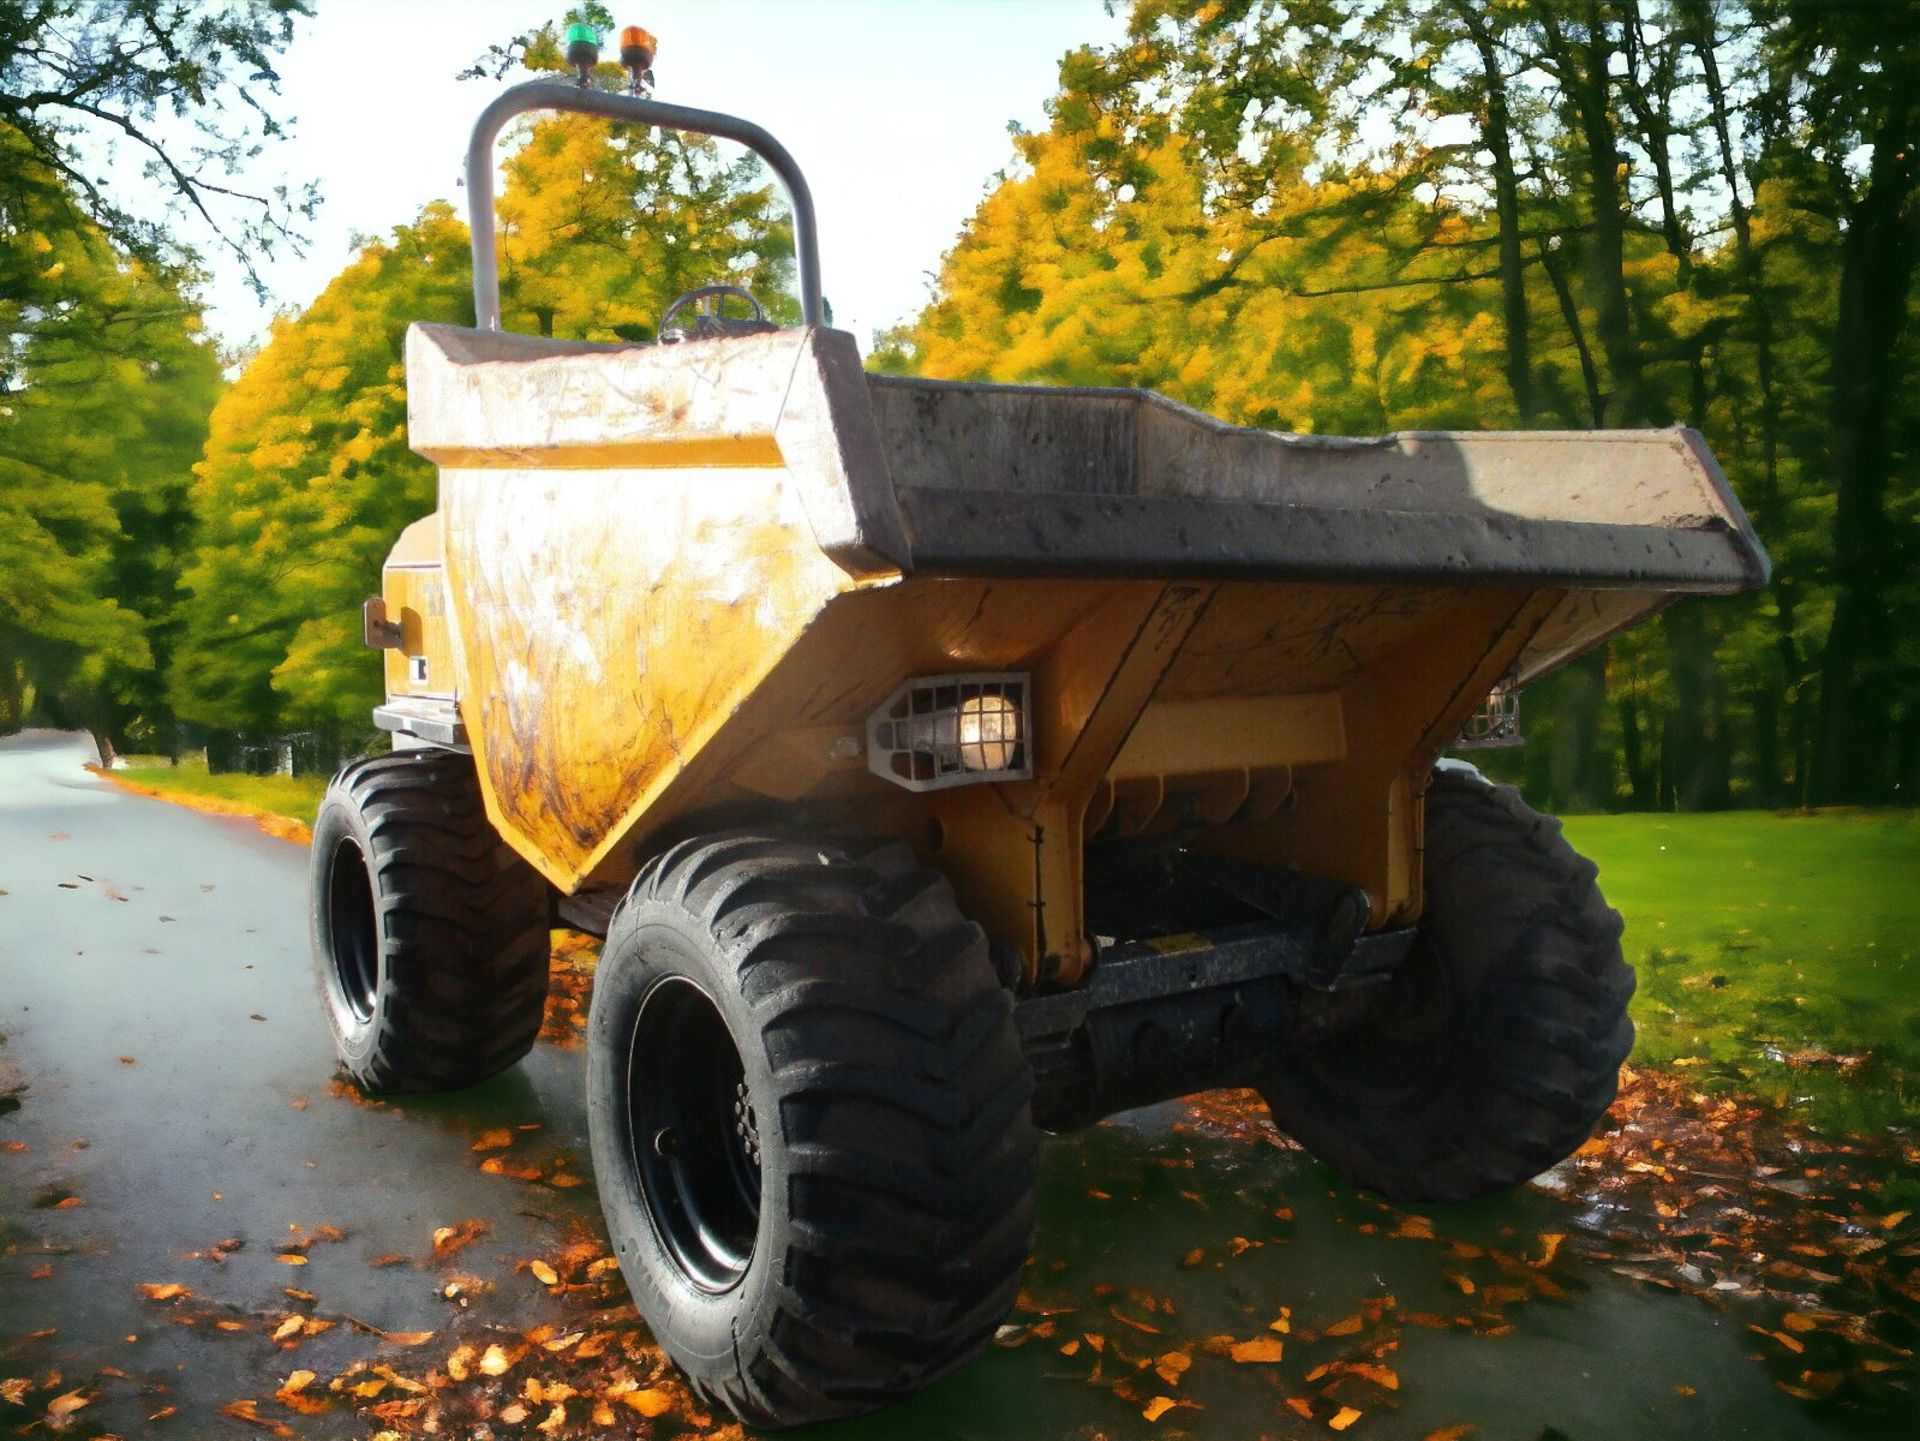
(353,936)
(1402,1041)
(693,1134)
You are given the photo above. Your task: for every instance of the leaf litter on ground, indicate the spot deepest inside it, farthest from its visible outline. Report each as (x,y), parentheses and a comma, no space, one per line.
(1717,1197)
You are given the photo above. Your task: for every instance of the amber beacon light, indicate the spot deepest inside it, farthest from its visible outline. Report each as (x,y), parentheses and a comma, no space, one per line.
(637,49)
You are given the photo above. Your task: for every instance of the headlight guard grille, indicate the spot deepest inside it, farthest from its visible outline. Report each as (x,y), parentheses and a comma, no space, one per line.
(953,730)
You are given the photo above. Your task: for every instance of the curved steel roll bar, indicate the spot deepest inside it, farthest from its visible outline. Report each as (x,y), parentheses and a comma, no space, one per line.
(559,95)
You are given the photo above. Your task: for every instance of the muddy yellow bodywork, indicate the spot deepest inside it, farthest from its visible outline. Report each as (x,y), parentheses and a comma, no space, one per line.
(666,587)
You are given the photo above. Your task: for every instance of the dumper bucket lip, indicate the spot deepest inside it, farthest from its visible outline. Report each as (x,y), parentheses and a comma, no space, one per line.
(955,533)
(1141,500)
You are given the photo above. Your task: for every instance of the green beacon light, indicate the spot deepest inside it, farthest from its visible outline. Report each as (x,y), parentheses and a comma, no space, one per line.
(583,50)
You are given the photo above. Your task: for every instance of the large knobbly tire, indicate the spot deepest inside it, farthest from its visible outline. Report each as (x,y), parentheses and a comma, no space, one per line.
(1491,1053)
(430,935)
(811,1123)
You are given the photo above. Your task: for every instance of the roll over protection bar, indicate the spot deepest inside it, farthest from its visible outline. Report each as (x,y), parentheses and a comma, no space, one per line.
(560,95)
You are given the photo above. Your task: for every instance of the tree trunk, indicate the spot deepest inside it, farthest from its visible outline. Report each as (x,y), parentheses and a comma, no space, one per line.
(13,698)
(1583,70)
(1878,254)
(1696,736)
(1652,103)
(1578,763)
(1640,781)
(1765,773)
(1570,312)
(1906,756)
(1496,131)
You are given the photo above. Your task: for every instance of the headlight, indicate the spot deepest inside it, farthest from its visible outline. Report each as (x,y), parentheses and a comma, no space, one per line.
(948,730)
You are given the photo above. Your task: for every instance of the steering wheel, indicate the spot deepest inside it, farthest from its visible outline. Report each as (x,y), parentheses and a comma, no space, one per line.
(706,325)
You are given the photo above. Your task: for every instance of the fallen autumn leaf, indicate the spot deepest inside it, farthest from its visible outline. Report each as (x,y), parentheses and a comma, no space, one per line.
(1260,1349)
(649,1401)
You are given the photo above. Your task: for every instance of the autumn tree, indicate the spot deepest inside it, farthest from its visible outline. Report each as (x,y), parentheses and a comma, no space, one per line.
(305,482)
(307,478)
(1380,214)
(601,227)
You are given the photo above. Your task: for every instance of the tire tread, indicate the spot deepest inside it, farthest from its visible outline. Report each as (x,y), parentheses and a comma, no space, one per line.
(901,1259)
(1537,1062)
(463,925)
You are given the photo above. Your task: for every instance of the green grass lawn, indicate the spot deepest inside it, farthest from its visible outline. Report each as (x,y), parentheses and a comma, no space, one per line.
(295,798)
(1768,945)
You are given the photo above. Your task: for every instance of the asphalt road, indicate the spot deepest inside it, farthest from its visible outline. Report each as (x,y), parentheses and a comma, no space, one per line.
(173,1088)
(156,999)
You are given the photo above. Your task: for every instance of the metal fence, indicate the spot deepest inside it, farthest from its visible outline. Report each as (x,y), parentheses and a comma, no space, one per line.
(303,753)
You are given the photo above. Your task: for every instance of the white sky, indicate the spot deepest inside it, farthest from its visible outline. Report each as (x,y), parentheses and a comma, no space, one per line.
(896,110)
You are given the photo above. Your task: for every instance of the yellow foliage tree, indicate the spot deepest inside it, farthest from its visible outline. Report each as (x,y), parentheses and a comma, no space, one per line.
(307,478)
(1286,310)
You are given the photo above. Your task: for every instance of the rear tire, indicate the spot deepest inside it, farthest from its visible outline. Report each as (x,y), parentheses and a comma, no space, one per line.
(430,935)
(810,1123)
(1493,1050)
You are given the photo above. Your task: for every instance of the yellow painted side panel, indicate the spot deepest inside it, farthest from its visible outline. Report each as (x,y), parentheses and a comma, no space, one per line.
(416,596)
(1360,821)
(1193,737)
(804,729)
(609,624)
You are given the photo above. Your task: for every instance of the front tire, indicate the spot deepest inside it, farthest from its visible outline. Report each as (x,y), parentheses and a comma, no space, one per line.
(1493,1050)
(810,1123)
(430,935)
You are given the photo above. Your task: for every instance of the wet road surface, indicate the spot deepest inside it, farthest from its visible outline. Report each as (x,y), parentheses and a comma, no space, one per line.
(174,1122)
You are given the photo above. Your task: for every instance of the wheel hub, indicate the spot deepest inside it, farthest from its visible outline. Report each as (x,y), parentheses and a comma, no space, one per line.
(695,1138)
(352,932)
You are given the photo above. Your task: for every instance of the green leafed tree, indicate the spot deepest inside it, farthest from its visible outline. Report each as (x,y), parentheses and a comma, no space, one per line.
(125,129)
(185,94)
(106,379)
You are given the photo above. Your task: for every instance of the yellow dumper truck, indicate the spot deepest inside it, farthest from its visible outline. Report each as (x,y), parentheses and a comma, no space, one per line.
(949,763)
